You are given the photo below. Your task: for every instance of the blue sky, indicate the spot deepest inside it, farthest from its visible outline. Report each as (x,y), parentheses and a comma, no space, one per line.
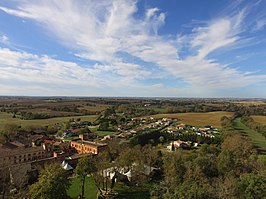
(155,48)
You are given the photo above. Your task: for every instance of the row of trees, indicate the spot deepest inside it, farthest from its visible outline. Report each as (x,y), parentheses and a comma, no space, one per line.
(73,109)
(33,116)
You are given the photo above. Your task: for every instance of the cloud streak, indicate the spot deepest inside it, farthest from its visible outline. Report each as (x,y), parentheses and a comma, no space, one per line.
(101,31)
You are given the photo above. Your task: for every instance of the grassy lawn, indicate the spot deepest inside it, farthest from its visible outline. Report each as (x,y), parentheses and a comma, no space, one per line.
(259,119)
(90,188)
(131,192)
(257,138)
(101,133)
(70,138)
(198,119)
(6,118)
(104,133)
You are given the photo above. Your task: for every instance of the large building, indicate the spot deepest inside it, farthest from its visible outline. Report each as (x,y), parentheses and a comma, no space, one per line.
(83,147)
(12,153)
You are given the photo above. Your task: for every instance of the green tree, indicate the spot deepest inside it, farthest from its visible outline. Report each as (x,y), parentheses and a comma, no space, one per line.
(100,177)
(85,166)
(174,171)
(67,125)
(252,186)
(104,126)
(53,183)
(9,132)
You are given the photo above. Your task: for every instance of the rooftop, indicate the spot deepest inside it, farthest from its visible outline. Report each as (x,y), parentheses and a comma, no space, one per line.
(89,143)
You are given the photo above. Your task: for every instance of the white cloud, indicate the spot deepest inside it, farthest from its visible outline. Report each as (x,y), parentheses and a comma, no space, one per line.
(4,39)
(99,30)
(62,77)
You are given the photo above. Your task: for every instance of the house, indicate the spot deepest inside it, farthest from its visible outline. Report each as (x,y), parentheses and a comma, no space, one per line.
(75,131)
(68,134)
(181,126)
(204,129)
(178,144)
(172,130)
(39,132)
(83,146)
(12,153)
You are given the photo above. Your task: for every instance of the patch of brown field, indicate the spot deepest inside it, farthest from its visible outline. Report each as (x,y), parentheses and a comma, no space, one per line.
(259,119)
(249,103)
(198,119)
(98,107)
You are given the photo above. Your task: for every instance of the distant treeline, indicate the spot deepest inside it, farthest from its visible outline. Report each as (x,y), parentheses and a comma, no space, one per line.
(33,116)
(73,109)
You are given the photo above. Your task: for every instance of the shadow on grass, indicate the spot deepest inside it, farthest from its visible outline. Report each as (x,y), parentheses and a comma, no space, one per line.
(133,195)
(131,192)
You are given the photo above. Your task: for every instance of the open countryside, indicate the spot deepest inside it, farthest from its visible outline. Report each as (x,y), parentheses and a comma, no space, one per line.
(6,118)
(133,99)
(198,119)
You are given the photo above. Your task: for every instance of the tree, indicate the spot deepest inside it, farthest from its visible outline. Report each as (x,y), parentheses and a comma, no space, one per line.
(174,171)
(101,176)
(53,183)
(225,187)
(104,126)
(9,132)
(4,180)
(67,125)
(86,166)
(252,186)
(226,162)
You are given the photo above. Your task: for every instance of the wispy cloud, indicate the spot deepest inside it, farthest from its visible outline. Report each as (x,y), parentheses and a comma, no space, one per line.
(103,30)
(260,24)
(4,39)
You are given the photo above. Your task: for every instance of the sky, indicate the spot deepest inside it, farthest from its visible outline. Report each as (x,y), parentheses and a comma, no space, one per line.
(133,48)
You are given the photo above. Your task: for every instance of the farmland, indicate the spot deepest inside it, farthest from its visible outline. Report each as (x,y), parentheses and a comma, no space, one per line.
(6,118)
(198,119)
(49,108)
(260,119)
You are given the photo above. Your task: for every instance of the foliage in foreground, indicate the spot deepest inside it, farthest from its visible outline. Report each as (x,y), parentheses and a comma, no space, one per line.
(53,183)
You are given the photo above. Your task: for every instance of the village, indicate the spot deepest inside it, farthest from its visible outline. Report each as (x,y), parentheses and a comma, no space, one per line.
(38,148)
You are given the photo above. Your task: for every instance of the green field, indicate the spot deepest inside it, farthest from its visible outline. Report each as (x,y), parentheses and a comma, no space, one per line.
(90,188)
(101,133)
(257,138)
(198,119)
(6,118)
